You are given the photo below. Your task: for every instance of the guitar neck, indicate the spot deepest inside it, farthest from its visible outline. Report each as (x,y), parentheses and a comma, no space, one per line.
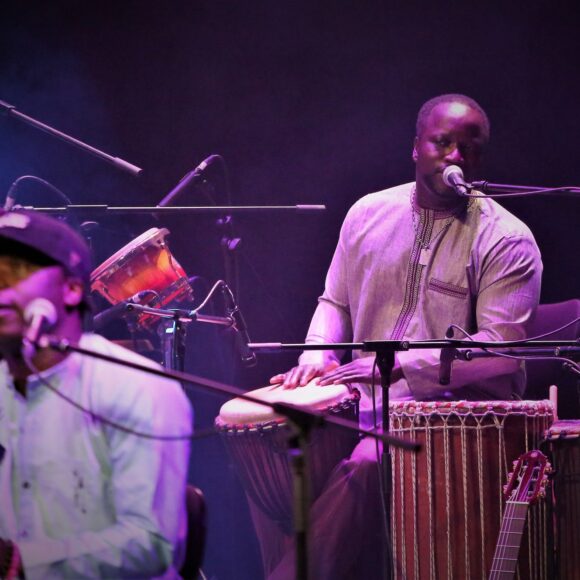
(505,559)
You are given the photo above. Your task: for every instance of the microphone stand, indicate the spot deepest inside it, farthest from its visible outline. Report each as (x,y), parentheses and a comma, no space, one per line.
(385,356)
(102,209)
(11,111)
(487,187)
(385,363)
(229,244)
(558,351)
(302,419)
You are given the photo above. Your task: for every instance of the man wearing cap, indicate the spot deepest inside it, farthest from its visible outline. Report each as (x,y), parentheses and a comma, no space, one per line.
(82,492)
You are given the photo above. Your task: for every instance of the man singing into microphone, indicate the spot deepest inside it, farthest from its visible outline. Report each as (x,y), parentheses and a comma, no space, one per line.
(411,261)
(82,494)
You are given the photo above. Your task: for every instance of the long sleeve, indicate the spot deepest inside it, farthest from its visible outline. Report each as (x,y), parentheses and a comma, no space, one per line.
(332,318)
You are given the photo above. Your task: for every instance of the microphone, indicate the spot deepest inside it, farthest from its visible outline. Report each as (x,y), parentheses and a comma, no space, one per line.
(453,177)
(39,316)
(11,197)
(101,319)
(242,338)
(187,180)
(448,355)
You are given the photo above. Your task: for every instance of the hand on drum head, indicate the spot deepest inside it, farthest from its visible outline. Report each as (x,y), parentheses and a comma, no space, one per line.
(359,370)
(301,375)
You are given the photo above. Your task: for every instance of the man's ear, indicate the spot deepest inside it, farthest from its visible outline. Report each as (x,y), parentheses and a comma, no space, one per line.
(72,292)
(415,155)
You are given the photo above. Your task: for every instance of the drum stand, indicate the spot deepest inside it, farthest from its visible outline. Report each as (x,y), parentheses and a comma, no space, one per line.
(172,334)
(172,330)
(298,442)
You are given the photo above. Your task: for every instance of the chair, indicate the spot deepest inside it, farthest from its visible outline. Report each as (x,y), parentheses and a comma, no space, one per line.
(196,533)
(541,374)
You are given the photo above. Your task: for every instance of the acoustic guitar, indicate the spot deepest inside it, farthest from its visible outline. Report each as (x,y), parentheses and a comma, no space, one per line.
(526,485)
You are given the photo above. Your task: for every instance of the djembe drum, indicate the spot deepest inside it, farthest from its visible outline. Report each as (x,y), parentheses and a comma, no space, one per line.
(447,498)
(145,263)
(256,440)
(563,440)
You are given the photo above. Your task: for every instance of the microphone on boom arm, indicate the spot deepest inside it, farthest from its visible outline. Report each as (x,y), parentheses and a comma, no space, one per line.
(453,177)
(189,180)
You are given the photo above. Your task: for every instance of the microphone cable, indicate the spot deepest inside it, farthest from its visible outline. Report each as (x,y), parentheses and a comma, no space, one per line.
(11,197)
(492,350)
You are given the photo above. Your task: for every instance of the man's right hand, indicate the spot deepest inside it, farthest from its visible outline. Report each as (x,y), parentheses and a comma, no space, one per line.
(301,375)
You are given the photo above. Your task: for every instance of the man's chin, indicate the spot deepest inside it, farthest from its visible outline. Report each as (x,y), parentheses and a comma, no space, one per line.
(442,191)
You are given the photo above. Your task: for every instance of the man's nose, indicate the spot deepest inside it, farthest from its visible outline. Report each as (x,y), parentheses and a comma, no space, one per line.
(454,155)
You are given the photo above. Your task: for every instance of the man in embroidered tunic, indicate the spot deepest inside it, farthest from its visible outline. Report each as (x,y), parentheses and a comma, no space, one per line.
(411,261)
(81,497)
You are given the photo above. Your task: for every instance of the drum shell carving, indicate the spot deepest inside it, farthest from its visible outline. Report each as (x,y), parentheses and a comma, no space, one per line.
(259,453)
(448,498)
(563,442)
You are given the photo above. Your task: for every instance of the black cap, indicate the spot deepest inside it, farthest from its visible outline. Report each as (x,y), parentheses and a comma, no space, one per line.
(50,237)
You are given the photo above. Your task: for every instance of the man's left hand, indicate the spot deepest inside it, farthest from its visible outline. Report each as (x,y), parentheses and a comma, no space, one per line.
(358,371)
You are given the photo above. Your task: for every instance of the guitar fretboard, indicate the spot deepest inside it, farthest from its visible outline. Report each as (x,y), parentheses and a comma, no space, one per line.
(505,559)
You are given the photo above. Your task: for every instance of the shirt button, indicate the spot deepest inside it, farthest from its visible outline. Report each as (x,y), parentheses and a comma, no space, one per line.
(23,534)
(26,485)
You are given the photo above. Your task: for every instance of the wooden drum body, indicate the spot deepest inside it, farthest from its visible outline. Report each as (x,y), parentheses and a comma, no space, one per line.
(563,439)
(448,497)
(256,440)
(143,264)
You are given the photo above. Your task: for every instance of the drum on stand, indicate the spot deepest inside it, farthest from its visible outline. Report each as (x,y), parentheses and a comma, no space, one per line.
(145,263)
(256,440)
(563,440)
(447,498)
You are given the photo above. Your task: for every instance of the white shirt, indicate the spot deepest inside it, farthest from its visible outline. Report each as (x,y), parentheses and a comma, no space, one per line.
(85,500)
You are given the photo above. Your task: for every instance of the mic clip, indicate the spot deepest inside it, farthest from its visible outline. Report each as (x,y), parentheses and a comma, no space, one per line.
(448,355)
(247,355)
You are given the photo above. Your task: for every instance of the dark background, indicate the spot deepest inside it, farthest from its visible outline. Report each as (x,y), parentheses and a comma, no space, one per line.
(307,102)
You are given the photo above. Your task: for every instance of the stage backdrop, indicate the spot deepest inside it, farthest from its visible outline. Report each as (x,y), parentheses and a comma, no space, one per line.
(307,102)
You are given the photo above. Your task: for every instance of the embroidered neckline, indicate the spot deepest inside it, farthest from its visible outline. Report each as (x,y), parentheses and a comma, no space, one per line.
(448,215)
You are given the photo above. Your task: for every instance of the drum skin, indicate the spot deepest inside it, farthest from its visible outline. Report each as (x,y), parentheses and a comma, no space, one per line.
(563,442)
(448,497)
(257,442)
